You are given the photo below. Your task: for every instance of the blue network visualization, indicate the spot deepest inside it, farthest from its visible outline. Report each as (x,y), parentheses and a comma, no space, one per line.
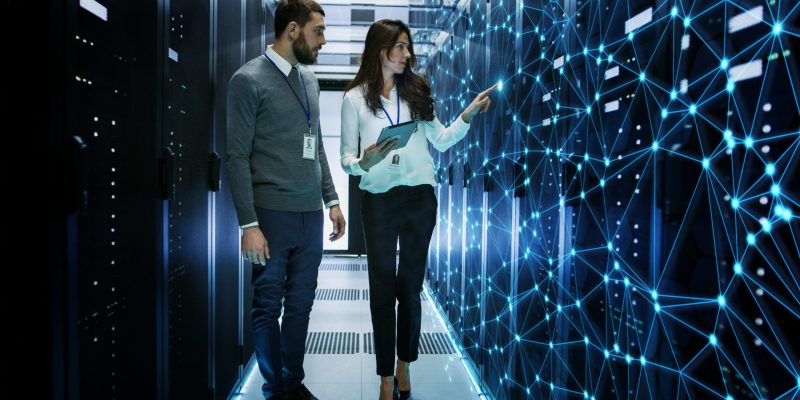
(623,222)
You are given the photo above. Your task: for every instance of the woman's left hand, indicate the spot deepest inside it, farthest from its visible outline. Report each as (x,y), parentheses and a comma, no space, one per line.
(480,104)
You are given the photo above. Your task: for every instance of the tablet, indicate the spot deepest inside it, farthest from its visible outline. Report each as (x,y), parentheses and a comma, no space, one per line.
(401,131)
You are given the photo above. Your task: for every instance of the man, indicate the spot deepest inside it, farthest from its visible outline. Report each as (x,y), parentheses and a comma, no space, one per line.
(279,180)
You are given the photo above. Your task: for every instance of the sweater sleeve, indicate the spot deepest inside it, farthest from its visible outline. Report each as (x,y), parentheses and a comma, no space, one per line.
(328,189)
(242,105)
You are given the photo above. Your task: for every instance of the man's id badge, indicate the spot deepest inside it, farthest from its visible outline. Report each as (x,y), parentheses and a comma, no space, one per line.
(309,147)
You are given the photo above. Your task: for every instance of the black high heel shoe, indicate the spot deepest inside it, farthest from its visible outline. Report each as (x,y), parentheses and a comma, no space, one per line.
(401,394)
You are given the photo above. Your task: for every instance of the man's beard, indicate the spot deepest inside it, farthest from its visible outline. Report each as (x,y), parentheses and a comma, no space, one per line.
(303,53)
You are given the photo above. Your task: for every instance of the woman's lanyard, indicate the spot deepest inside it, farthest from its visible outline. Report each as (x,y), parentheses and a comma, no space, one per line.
(306,110)
(398,112)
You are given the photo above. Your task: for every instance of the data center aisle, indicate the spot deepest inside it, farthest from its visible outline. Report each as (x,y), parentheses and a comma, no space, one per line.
(340,364)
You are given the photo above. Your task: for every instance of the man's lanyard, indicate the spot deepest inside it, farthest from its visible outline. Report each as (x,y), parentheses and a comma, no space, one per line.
(307,111)
(398,111)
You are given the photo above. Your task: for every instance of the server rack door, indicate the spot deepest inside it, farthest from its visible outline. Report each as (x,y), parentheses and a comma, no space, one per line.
(187,135)
(499,143)
(108,110)
(476,212)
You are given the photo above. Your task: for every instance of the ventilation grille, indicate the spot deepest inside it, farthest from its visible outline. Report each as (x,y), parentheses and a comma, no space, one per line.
(337,294)
(429,343)
(365,295)
(368,343)
(362,16)
(341,267)
(332,343)
(435,343)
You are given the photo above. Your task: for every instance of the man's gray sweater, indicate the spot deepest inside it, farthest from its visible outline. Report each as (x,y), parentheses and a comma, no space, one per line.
(266,135)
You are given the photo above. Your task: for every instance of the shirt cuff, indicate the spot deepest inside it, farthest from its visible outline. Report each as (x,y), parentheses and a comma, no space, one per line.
(331,203)
(460,123)
(249,225)
(355,166)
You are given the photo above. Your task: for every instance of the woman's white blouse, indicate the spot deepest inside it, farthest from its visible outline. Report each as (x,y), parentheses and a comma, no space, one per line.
(414,163)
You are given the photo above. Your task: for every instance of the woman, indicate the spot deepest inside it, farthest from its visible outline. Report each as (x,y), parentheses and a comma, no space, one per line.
(398,199)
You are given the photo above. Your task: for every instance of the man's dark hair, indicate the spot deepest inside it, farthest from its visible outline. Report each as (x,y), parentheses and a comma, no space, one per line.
(294,10)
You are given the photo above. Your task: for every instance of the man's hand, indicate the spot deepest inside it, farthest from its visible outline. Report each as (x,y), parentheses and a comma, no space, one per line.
(338,223)
(254,245)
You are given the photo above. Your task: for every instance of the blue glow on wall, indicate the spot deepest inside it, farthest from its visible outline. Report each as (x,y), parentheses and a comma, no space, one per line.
(623,223)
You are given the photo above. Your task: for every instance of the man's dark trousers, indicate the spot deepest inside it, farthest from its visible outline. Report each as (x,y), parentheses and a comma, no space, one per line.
(295,249)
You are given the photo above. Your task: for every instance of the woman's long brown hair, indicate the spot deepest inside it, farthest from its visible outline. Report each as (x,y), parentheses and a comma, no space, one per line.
(412,88)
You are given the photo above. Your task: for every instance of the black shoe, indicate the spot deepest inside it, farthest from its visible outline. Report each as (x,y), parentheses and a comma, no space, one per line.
(276,397)
(299,393)
(401,394)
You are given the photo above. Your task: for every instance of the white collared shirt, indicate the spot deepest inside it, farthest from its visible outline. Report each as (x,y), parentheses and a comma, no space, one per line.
(281,62)
(415,165)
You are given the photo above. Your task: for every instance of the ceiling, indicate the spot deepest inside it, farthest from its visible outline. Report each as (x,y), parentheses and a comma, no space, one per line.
(347,24)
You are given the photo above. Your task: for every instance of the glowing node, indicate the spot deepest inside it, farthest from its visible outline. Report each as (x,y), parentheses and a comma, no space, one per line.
(777,28)
(766,226)
(721,301)
(713,339)
(737,268)
(706,163)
